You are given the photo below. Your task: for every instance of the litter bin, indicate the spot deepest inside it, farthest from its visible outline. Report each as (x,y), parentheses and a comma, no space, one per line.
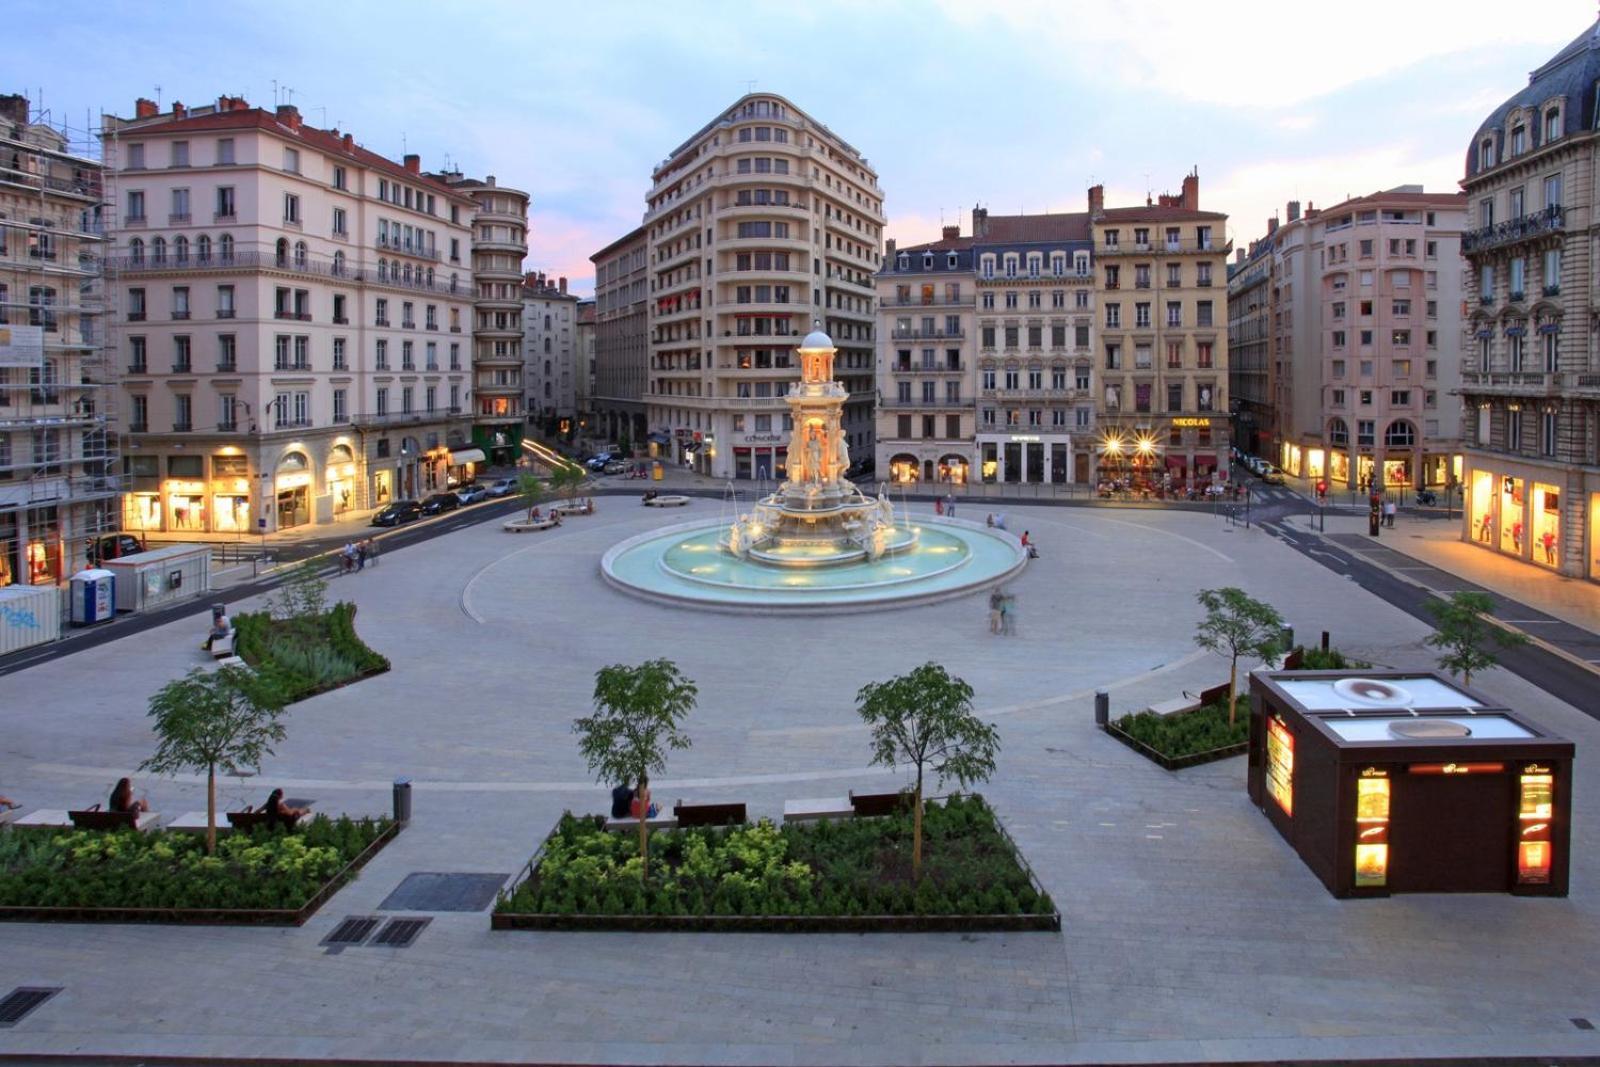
(402,801)
(1102,707)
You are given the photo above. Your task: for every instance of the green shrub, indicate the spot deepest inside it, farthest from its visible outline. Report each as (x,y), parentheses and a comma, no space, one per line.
(848,867)
(306,656)
(124,869)
(1315,659)
(1191,732)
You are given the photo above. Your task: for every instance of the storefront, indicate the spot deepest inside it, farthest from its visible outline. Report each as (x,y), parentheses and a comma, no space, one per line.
(141,510)
(905,469)
(1039,459)
(292,484)
(340,478)
(760,456)
(502,442)
(952,469)
(230,492)
(31,547)
(1395,782)
(464,464)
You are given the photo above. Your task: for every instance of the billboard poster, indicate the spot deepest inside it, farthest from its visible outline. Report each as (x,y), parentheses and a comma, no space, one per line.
(22,346)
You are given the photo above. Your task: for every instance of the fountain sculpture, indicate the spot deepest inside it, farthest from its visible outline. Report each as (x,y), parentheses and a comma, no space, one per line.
(817,517)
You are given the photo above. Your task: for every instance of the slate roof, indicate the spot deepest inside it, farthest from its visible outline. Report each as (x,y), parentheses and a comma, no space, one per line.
(1572,73)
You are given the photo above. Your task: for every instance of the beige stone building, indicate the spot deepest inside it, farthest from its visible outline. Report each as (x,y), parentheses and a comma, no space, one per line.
(1161,287)
(291,318)
(1531,367)
(550,353)
(57,480)
(759,224)
(622,338)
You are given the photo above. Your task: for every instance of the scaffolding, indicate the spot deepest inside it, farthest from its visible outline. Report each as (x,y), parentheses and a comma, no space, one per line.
(59,484)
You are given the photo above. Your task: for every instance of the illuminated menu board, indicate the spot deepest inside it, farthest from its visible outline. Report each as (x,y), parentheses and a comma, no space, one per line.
(1534,812)
(1372,829)
(1280,765)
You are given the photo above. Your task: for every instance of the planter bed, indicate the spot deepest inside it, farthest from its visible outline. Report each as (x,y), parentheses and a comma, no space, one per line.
(848,876)
(1144,731)
(362,841)
(328,657)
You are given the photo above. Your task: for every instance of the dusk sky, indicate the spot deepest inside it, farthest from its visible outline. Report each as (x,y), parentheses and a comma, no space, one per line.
(1017,106)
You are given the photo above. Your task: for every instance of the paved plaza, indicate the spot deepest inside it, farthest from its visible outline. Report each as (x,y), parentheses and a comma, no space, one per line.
(1190,930)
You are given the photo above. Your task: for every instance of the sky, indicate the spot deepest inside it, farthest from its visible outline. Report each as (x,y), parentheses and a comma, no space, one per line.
(1014,105)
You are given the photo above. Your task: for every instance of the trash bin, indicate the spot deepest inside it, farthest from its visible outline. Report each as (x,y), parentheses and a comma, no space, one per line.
(1102,707)
(402,801)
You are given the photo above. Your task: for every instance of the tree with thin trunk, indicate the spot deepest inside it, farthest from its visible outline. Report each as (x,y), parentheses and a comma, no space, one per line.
(1236,625)
(1463,631)
(566,477)
(530,489)
(925,718)
(224,719)
(638,716)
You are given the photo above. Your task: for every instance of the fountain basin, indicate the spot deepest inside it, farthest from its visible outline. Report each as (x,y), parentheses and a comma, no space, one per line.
(686,566)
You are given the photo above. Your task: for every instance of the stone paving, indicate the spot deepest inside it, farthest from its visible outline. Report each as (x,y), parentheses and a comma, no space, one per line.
(1190,930)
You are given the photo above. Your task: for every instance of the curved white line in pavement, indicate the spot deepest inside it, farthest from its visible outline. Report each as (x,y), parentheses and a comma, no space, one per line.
(1169,533)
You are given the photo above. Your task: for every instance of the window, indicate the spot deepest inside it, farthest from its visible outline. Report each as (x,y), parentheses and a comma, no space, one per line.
(135,205)
(180,206)
(1399,398)
(1338,338)
(180,302)
(227,352)
(1551,362)
(340,227)
(339,178)
(381,356)
(1400,434)
(1519,140)
(1202,313)
(1514,430)
(182,412)
(225,151)
(291,160)
(1366,432)
(1175,397)
(136,157)
(383,400)
(1552,191)
(1552,124)
(1547,433)
(1203,354)
(291,207)
(1174,313)
(341,409)
(1114,316)
(1552,271)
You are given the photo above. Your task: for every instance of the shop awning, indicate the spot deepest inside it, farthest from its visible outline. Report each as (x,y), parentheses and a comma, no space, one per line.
(466,455)
(660,437)
(1177,462)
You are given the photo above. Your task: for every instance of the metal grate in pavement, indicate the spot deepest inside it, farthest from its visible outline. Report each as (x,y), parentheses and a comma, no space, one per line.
(352,930)
(430,891)
(22,1000)
(400,933)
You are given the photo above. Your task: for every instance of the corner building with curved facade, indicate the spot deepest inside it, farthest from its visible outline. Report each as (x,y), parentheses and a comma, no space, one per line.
(1531,369)
(761,223)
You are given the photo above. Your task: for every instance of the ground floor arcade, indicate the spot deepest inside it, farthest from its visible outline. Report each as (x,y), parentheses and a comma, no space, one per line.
(1544,514)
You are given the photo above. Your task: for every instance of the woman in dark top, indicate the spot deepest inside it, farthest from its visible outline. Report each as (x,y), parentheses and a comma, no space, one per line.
(621,801)
(280,814)
(122,799)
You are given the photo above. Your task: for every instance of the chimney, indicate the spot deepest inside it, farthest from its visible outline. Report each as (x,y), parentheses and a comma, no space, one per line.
(1294,211)
(289,115)
(1311,212)
(980,221)
(178,110)
(952,232)
(1097,200)
(145,109)
(413,163)
(563,286)
(349,143)
(1191,190)
(14,108)
(489,181)
(1240,255)
(888,248)
(1272,223)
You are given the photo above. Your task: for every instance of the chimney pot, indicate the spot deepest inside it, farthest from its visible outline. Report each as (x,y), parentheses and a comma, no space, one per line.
(413,163)
(563,285)
(1294,211)
(1272,224)
(952,232)
(349,142)
(144,108)
(14,108)
(178,110)
(289,115)
(888,248)
(1097,199)
(1191,190)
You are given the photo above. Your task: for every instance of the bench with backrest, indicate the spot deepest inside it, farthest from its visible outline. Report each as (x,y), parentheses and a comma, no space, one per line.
(1186,703)
(879,803)
(96,819)
(709,814)
(250,818)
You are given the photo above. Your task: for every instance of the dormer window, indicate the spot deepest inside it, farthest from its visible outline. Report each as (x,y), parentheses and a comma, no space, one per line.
(1552,124)
(950,261)
(1519,140)
(1011,266)
(927,261)
(988,266)
(903,262)
(1486,154)
(1058,265)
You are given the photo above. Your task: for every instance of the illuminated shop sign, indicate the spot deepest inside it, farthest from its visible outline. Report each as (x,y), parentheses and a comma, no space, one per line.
(1280,765)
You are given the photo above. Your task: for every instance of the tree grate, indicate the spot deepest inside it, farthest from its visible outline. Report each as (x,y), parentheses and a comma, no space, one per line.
(22,1000)
(400,932)
(352,930)
(1582,1023)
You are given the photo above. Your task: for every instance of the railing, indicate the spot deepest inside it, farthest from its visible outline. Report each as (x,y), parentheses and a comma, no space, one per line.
(1160,248)
(919,302)
(1522,228)
(272,261)
(182,427)
(1514,381)
(937,402)
(927,335)
(227,367)
(1587,383)
(927,368)
(1063,393)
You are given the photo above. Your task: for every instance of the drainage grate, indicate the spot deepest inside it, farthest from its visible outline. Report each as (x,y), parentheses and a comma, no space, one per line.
(400,932)
(352,930)
(430,891)
(1583,1024)
(20,1001)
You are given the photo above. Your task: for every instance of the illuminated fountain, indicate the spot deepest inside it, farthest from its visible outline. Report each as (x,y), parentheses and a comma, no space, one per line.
(818,544)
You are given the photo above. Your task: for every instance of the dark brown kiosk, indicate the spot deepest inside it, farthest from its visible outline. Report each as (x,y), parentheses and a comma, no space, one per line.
(1405,782)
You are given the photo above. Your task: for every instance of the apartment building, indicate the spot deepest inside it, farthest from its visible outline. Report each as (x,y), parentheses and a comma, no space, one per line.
(549,347)
(583,362)
(1160,284)
(291,313)
(761,223)
(1251,375)
(499,245)
(1531,374)
(57,480)
(621,342)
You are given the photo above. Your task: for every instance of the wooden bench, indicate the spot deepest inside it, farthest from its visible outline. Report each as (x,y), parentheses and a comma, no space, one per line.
(668,501)
(867,804)
(194,822)
(8,814)
(807,810)
(631,825)
(709,814)
(45,818)
(523,525)
(250,819)
(1217,694)
(95,819)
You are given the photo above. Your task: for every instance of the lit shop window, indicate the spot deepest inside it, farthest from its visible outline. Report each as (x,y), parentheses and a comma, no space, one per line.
(1372,829)
(1534,814)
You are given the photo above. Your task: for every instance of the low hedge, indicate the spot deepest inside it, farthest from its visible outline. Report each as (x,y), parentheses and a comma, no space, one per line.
(126,869)
(308,656)
(853,869)
(1201,732)
(1315,659)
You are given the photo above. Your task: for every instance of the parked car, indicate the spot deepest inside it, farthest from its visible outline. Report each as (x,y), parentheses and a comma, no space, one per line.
(1270,474)
(501,487)
(439,503)
(598,461)
(471,494)
(398,512)
(114,546)
(617,466)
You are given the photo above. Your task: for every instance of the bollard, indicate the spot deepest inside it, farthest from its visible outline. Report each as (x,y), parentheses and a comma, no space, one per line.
(1324,640)
(402,801)
(1102,707)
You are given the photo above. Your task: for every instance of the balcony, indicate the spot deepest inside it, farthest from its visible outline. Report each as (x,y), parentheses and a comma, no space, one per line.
(1169,248)
(1586,386)
(226,313)
(139,368)
(1523,228)
(182,427)
(927,368)
(178,219)
(225,217)
(227,366)
(341,320)
(1513,383)
(180,316)
(927,335)
(135,316)
(182,367)
(138,427)
(227,427)
(937,402)
(931,302)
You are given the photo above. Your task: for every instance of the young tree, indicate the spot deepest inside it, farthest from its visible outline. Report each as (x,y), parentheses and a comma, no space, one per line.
(925,719)
(566,477)
(303,596)
(530,489)
(227,719)
(637,719)
(1234,626)
(1464,630)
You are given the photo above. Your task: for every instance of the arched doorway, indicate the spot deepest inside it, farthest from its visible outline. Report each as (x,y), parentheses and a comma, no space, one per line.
(904,468)
(291,483)
(1399,446)
(341,478)
(953,469)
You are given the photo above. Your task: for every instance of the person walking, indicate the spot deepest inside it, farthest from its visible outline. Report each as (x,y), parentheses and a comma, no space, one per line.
(1388,513)
(950,505)
(938,505)
(361,555)
(1008,614)
(994,611)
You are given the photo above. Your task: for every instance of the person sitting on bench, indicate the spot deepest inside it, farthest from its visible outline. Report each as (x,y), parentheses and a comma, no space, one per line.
(280,814)
(122,801)
(1027,543)
(641,807)
(621,801)
(221,626)
(650,494)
